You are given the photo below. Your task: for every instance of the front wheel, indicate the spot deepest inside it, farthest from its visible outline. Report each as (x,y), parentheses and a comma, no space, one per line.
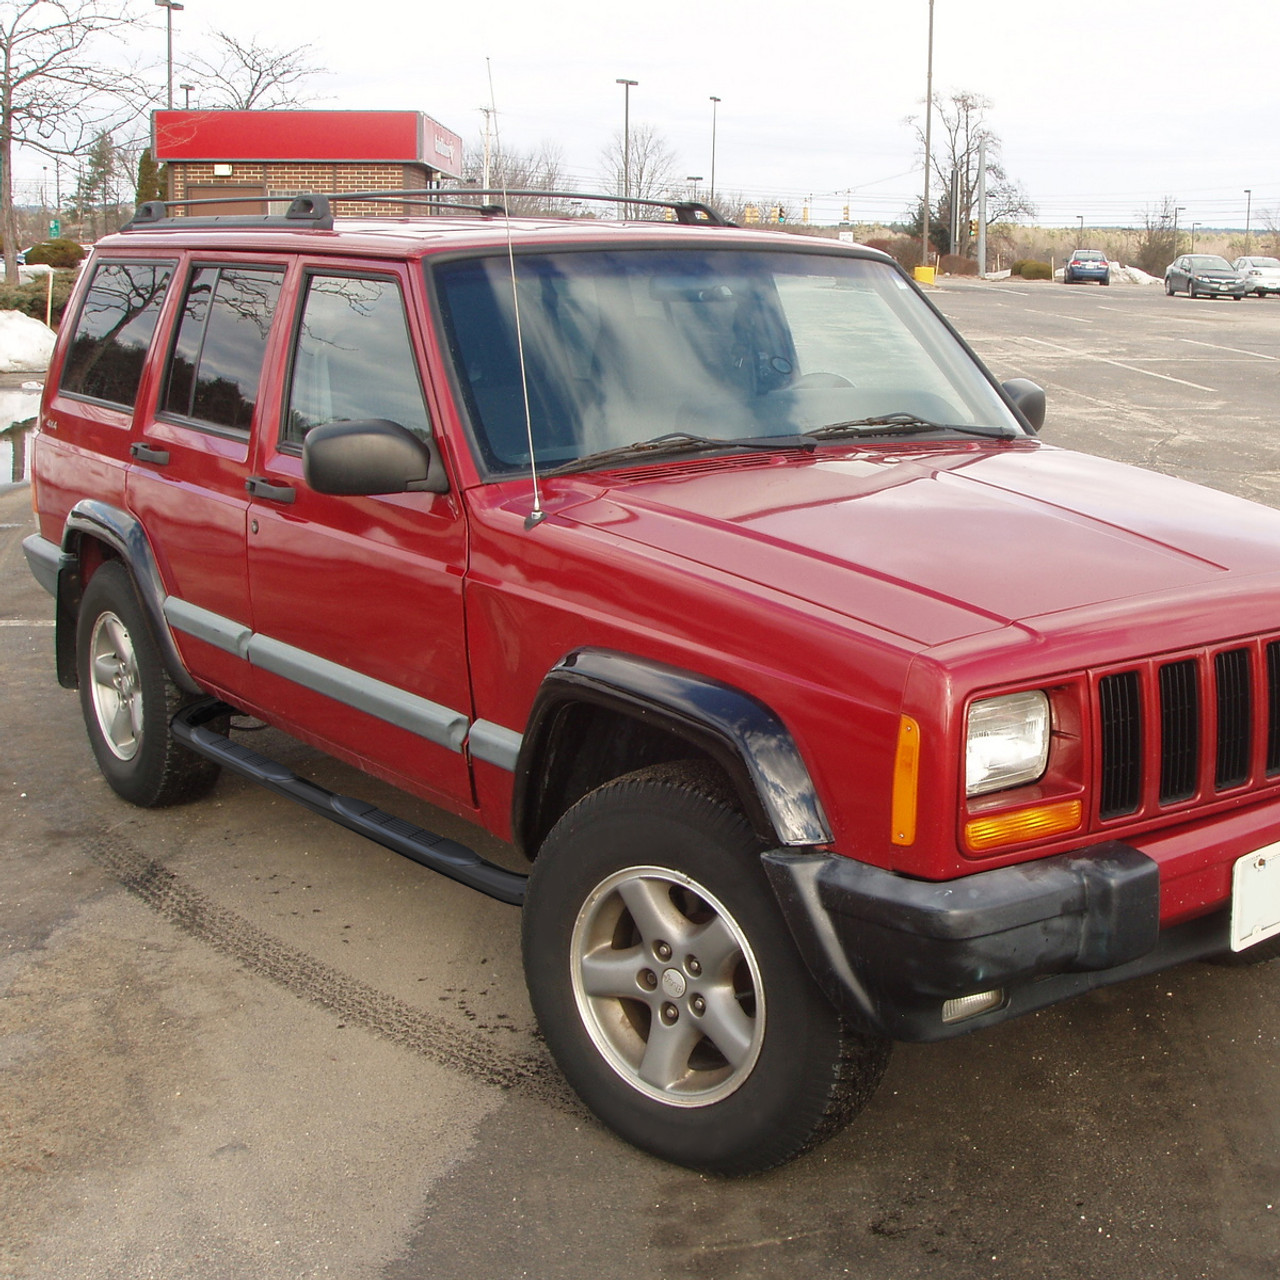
(668,988)
(127,698)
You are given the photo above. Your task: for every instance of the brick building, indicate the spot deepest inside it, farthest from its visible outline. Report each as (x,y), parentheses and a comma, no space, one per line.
(218,155)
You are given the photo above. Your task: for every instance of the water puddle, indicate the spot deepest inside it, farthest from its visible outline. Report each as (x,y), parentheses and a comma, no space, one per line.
(18,407)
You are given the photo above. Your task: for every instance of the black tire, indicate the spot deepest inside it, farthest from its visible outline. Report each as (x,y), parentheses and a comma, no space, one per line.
(1169,290)
(648,909)
(127,698)
(1106,280)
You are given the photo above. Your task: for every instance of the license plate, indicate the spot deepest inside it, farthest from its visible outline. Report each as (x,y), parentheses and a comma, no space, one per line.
(1255,897)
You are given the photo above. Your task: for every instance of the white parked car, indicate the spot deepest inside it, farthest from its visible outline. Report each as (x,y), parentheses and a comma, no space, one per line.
(1261,274)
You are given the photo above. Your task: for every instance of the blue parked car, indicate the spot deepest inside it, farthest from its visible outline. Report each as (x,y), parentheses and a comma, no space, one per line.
(1087,264)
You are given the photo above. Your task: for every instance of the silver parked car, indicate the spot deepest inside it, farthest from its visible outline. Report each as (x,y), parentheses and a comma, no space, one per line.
(1204,275)
(1262,275)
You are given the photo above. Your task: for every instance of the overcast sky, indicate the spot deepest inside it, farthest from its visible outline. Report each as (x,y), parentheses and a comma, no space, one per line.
(1103,109)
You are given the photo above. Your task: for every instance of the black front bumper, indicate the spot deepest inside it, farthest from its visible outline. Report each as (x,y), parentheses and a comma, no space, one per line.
(894,950)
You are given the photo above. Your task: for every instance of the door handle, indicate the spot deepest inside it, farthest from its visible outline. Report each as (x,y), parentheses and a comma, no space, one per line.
(261,487)
(145,453)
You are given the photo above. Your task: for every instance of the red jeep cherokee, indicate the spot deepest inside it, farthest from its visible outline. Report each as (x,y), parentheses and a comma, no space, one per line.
(711,569)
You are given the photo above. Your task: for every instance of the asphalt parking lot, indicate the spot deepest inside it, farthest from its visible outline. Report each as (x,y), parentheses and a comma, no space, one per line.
(236,1041)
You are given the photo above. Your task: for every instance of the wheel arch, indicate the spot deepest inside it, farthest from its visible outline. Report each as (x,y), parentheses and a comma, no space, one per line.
(96,531)
(600,714)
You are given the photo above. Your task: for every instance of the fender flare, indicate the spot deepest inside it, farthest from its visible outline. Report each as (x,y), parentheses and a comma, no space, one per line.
(124,534)
(745,737)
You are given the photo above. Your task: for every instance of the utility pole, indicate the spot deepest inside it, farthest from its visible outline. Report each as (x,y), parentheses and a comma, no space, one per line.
(982,208)
(627,86)
(715,102)
(484,183)
(928,145)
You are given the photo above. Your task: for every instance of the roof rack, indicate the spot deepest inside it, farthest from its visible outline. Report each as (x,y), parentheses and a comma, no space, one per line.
(315,211)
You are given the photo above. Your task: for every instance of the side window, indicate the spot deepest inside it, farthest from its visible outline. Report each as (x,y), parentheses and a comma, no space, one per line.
(222,337)
(114,330)
(354,359)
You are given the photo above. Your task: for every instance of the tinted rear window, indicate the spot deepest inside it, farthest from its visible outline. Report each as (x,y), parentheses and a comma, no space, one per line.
(222,338)
(114,330)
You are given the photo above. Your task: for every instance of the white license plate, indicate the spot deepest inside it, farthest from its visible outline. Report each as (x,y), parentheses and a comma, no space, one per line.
(1255,897)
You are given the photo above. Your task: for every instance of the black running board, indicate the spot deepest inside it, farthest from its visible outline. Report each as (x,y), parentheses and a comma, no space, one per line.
(436,852)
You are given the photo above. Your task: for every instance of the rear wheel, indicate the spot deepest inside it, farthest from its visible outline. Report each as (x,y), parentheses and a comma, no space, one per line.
(667,986)
(128,699)
(1168,287)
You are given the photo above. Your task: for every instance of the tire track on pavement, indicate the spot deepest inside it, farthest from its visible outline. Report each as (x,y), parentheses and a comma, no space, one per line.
(531,1074)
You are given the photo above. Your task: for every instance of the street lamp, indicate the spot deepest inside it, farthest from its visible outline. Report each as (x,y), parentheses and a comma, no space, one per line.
(627,86)
(1177,209)
(186,89)
(169,6)
(928,145)
(1248,209)
(1080,219)
(693,179)
(715,102)
(1194,227)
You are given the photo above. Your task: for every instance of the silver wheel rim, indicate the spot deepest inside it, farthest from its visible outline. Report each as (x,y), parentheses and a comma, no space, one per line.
(667,986)
(115,687)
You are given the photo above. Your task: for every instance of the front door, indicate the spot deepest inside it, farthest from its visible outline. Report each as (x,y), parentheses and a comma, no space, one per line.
(358,601)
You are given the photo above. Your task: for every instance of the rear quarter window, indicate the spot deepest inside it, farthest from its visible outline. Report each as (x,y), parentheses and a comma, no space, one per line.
(114,329)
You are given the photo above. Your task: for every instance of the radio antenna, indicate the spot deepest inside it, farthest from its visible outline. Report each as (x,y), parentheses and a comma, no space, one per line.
(537,515)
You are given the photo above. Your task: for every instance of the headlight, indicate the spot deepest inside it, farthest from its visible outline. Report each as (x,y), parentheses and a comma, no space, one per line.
(1007,742)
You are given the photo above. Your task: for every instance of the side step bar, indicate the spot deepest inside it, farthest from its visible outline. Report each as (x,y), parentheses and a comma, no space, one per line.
(436,852)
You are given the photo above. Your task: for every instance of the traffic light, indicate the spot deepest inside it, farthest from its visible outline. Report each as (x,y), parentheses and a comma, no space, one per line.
(973,226)
(844,217)
(750,213)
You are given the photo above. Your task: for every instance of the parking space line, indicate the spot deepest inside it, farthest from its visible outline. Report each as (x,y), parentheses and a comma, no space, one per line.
(26,622)
(1119,364)
(1058,315)
(1257,355)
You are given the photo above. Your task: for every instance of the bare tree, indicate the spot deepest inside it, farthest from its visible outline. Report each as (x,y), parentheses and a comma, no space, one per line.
(652,163)
(1157,243)
(54,93)
(244,74)
(959,131)
(541,169)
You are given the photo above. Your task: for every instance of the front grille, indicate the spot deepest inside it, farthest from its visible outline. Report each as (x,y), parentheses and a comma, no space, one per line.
(1188,728)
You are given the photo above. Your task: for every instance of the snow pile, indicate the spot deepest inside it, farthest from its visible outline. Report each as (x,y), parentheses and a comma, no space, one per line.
(25,344)
(1137,276)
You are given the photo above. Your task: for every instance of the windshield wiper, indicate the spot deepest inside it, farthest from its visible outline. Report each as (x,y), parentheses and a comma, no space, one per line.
(902,424)
(677,442)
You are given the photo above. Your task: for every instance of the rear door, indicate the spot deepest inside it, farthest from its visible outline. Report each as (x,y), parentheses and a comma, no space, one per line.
(191,460)
(358,601)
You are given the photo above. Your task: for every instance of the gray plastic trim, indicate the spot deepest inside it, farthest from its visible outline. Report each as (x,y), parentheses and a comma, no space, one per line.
(208,626)
(495,745)
(427,719)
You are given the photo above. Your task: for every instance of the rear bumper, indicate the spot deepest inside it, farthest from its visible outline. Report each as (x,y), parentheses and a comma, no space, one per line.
(893,950)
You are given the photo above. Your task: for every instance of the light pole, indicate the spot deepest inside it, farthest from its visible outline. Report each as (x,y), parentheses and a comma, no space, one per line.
(928,145)
(186,89)
(715,102)
(169,6)
(1177,209)
(1248,209)
(1194,227)
(1080,219)
(693,179)
(627,86)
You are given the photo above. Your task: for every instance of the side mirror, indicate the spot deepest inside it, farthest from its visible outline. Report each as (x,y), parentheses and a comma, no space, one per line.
(370,456)
(1028,400)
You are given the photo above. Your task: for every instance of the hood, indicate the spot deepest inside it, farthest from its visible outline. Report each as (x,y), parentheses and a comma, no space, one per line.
(934,543)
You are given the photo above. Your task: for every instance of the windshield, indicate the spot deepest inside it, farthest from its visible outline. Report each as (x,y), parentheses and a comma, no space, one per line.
(624,347)
(1209,262)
